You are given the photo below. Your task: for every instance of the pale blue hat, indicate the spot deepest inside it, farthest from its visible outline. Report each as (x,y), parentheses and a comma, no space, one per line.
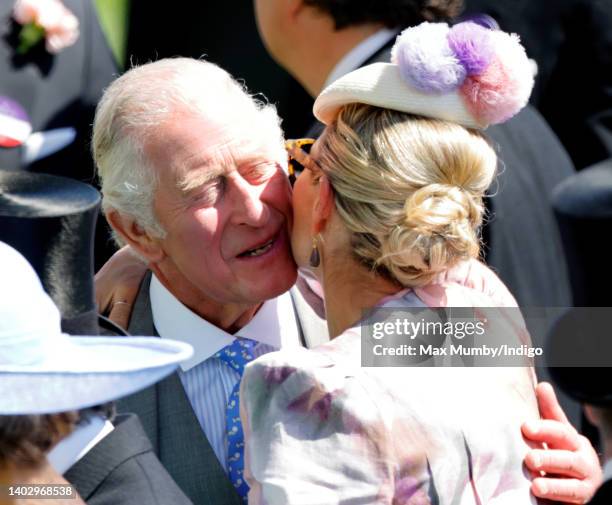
(43,370)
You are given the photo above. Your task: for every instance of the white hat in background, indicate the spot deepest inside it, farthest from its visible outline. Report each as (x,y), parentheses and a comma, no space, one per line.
(43,370)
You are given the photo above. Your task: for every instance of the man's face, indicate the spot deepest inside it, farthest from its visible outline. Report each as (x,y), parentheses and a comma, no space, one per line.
(225,204)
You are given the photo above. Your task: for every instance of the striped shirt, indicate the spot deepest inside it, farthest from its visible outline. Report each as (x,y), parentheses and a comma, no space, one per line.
(208,382)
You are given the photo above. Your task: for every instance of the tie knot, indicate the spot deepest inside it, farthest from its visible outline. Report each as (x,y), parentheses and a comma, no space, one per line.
(238,354)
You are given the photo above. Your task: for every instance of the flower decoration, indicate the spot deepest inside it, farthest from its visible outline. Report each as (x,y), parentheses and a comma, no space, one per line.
(487,68)
(45,19)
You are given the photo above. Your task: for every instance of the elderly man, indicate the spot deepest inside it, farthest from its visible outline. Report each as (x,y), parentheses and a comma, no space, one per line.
(192,176)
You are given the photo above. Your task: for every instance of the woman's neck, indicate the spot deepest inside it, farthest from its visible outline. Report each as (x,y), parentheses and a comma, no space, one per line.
(351,291)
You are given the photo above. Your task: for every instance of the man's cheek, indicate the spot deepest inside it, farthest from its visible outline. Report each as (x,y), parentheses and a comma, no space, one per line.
(278,193)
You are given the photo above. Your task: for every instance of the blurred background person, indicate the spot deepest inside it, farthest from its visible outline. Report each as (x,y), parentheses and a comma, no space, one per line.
(51,220)
(24,443)
(54,406)
(579,354)
(54,64)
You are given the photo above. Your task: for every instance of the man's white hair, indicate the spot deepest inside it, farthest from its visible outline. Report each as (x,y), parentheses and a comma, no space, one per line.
(138,103)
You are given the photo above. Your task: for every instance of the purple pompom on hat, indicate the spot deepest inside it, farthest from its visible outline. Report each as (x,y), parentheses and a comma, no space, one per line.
(473,46)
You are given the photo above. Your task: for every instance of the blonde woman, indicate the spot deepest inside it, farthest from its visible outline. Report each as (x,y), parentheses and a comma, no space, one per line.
(386,214)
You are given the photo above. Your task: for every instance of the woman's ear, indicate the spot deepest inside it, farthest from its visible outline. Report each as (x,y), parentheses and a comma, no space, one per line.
(323,207)
(136,236)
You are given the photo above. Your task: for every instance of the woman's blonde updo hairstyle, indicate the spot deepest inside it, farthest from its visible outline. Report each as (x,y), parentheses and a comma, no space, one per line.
(409,189)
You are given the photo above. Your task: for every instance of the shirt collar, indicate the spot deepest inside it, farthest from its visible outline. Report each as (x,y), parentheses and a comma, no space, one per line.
(76,445)
(273,324)
(360,53)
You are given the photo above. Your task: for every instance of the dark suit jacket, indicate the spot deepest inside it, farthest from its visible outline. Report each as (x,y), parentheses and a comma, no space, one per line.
(122,469)
(59,91)
(173,427)
(603,496)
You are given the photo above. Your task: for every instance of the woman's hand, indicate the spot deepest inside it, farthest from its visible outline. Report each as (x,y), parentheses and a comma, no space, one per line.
(569,467)
(117,284)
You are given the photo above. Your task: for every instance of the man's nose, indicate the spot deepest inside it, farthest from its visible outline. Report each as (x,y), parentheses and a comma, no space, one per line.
(248,206)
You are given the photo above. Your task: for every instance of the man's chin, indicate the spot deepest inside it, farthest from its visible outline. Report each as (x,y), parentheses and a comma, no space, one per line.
(266,290)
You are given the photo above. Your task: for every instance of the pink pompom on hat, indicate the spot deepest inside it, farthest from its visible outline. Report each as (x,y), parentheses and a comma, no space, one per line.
(466,74)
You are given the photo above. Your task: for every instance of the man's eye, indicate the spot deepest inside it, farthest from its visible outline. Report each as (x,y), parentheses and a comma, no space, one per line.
(209,194)
(260,173)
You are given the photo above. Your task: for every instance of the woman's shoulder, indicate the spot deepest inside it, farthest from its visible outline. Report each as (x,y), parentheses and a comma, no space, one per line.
(469,283)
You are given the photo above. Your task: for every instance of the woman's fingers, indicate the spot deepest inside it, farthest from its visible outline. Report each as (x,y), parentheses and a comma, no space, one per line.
(548,403)
(569,473)
(562,490)
(120,313)
(558,462)
(117,284)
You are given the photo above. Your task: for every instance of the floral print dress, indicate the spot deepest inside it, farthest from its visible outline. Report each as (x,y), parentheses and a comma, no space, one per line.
(320,429)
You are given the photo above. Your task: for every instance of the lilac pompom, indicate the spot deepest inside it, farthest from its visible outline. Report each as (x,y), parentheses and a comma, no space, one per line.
(473,46)
(426,60)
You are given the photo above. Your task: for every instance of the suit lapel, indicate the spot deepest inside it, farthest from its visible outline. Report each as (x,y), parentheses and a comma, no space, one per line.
(383,55)
(126,441)
(144,402)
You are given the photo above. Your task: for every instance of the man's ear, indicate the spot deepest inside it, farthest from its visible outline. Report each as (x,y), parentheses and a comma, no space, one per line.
(136,236)
(294,8)
(323,206)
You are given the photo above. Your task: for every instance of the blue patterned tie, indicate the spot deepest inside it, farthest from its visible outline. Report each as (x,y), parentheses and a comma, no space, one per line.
(236,355)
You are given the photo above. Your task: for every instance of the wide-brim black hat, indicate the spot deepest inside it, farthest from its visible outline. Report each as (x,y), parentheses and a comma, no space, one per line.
(578,353)
(51,221)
